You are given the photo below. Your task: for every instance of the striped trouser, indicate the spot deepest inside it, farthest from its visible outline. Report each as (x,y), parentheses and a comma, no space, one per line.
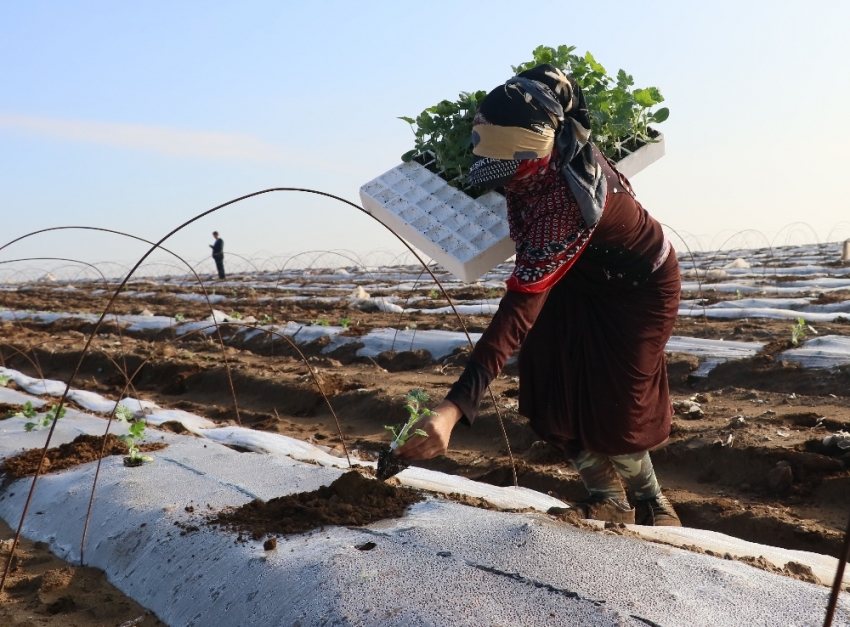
(602,475)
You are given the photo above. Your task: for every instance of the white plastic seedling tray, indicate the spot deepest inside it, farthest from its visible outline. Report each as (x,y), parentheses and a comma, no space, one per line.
(467,236)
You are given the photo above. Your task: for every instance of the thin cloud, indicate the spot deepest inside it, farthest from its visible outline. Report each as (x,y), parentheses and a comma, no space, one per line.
(160,139)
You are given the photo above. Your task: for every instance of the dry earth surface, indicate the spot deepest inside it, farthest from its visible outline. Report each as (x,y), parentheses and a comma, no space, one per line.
(753,466)
(45,590)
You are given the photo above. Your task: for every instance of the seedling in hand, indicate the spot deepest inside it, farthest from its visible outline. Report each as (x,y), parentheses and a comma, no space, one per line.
(389,464)
(136,430)
(414,399)
(46,420)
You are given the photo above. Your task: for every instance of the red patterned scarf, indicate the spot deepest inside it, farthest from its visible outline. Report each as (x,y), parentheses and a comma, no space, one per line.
(545,222)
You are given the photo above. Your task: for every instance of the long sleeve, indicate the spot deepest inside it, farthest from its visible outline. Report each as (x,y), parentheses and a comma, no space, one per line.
(512,322)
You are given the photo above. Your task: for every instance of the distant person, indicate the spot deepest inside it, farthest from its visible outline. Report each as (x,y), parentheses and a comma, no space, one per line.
(218,254)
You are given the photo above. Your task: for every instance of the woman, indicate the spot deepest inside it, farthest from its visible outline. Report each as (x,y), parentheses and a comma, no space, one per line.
(592,300)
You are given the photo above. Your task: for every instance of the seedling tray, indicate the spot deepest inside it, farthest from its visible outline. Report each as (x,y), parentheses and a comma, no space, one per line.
(467,236)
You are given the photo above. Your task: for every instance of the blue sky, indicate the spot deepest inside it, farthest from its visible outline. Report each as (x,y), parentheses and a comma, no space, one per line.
(137,116)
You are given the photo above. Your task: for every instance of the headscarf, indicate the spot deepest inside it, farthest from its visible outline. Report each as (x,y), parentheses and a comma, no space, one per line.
(533,113)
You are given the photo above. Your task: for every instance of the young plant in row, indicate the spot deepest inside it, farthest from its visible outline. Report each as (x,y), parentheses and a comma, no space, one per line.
(47,419)
(136,428)
(798,331)
(4,380)
(389,464)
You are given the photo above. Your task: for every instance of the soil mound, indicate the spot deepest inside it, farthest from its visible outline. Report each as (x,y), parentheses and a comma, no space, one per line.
(84,449)
(352,500)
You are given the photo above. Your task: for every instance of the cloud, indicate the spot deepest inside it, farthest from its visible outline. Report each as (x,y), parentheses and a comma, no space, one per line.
(160,139)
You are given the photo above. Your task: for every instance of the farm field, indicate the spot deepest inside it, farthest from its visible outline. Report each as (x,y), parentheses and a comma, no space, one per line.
(757,391)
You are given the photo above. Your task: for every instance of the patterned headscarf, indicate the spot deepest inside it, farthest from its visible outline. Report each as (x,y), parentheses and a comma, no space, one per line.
(528,116)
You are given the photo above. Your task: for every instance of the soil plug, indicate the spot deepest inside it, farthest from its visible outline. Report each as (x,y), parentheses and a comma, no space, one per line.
(389,464)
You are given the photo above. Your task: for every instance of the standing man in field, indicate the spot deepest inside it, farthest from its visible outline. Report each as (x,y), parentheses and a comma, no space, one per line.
(218,254)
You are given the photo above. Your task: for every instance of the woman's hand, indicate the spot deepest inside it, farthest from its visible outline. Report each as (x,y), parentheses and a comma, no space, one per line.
(438,426)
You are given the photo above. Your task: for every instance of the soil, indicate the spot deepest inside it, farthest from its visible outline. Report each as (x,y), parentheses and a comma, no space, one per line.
(752,465)
(44,590)
(83,449)
(350,501)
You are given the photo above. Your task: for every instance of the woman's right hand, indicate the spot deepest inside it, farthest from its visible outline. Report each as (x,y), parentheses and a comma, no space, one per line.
(438,426)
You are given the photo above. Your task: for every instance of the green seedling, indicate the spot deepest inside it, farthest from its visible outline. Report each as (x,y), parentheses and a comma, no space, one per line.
(322,322)
(344,322)
(413,405)
(45,421)
(739,294)
(235,315)
(179,317)
(433,294)
(4,380)
(266,319)
(27,412)
(798,331)
(136,430)
(620,114)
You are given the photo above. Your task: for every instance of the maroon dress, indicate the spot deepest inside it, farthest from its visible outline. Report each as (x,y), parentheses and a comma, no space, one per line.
(593,374)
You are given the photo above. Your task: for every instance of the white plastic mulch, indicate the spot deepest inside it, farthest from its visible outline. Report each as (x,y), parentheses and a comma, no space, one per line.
(441,564)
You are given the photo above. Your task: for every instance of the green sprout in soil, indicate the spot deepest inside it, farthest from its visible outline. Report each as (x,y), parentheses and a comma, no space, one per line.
(344,322)
(136,430)
(27,412)
(179,317)
(266,319)
(413,405)
(620,115)
(322,322)
(235,315)
(798,331)
(433,294)
(4,380)
(45,421)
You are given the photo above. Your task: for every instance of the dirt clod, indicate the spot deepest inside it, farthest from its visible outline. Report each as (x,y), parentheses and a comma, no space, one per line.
(780,478)
(389,465)
(351,500)
(84,449)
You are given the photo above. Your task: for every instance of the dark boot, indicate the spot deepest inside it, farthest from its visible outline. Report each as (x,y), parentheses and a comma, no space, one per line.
(606,509)
(656,512)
